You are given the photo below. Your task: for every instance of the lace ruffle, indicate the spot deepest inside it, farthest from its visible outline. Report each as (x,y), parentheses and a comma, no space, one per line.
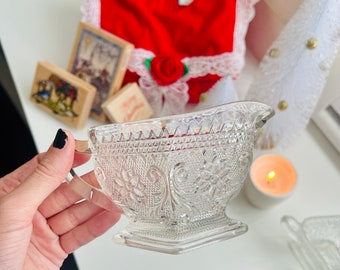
(91,12)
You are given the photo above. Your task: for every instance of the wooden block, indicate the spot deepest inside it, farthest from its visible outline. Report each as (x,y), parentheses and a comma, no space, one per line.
(129,104)
(62,94)
(101,59)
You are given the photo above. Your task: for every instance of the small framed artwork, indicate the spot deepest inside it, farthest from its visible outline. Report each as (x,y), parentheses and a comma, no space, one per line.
(129,104)
(62,94)
(101,59)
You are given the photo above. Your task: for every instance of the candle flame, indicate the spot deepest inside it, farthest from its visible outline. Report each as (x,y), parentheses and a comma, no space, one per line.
(270,176)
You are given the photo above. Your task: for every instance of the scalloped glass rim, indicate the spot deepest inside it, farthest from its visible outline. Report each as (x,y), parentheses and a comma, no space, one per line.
(180,124)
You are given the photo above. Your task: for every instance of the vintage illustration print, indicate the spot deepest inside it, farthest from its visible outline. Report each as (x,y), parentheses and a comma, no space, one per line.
(99,58)
(62,94)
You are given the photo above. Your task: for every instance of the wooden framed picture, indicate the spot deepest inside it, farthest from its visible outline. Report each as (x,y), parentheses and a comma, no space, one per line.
(62,94)
(129,104)
(100,58)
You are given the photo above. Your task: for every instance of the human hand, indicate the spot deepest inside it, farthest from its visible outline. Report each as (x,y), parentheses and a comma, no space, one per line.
(42,219)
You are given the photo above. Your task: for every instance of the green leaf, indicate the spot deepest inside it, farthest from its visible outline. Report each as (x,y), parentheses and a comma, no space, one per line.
(147,63)
(186,69)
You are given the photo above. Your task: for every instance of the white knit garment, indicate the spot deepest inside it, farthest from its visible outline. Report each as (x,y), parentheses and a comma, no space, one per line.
(298,75)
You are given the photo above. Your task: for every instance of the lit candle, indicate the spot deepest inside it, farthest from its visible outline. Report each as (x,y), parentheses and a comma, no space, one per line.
(271,176)
(272,180)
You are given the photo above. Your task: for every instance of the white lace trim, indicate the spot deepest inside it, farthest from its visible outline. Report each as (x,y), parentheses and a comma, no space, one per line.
(298,75)
(175,96)
(91,12)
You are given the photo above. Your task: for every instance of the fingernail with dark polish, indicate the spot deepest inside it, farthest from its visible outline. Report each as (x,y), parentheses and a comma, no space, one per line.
(60,139)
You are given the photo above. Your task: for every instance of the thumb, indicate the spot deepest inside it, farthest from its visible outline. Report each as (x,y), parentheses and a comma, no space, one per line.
(50,172)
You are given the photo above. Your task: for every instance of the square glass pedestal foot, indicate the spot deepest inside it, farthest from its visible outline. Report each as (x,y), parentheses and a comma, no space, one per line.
(177,239)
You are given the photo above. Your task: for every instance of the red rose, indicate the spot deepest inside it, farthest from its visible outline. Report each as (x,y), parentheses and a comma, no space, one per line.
(166,70)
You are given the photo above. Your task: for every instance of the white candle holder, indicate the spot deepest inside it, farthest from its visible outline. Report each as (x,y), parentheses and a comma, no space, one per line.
(272,179)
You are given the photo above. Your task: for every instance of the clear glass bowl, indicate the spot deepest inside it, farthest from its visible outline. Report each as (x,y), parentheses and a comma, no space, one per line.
(174,176)
(315,241)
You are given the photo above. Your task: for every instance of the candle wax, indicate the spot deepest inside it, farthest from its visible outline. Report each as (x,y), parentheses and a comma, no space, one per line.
(285,176)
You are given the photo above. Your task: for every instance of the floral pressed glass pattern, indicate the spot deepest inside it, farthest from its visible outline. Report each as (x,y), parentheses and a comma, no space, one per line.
(174,176)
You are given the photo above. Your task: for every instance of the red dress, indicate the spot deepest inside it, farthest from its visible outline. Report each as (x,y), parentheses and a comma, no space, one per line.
(189,48)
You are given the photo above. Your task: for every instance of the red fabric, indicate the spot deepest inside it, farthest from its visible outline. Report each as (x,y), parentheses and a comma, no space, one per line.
(204,28)
(166,70)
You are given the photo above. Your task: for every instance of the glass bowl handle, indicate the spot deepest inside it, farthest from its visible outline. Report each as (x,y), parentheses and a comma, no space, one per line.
(89,192)
(86,190)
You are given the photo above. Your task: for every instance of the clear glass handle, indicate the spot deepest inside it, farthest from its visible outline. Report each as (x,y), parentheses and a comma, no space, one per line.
(90,192)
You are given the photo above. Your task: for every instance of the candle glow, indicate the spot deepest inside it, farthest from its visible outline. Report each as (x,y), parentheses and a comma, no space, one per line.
(272,179)
(270,176)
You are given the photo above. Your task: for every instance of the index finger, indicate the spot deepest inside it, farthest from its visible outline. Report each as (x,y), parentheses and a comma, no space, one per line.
(15,178)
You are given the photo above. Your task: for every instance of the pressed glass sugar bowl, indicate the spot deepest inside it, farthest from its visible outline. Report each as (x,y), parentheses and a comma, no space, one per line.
(174,176)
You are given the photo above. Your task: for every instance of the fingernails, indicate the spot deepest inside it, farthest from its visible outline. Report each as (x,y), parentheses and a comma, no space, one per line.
(60,139)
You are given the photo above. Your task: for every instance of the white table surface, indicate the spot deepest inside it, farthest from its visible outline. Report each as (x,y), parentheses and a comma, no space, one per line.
(36,30)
